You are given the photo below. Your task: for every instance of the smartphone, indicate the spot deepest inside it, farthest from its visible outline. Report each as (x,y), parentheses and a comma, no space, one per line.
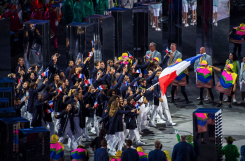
(57,55)
(33,68)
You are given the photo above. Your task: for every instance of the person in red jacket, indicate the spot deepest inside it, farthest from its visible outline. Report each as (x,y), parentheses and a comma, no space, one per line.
(52,16)
(36,14)
(15,24)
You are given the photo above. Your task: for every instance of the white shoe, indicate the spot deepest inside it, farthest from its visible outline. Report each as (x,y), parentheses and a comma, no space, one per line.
(176,97)
(140,143)
(133,147)
(215,24)
(183,21)
(153,26)
(172,124)
(158,29)
(189,16)
(198,98)
(169,96)
(186,25)
(226,100)
(112,152)
(234,100)
(157,117)
(194,21)
(192,24)
(151,125)
(160,121)
(213,20)
(207,98)
(144,127)
(93,131)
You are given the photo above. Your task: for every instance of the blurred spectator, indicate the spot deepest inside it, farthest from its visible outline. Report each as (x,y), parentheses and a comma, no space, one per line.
(96,143)
(129,153)
(15,24)
(230,151)
(80,154)
(183,151)
(56,149)
(101,153)
(157,154)
(35,13)
(243,153)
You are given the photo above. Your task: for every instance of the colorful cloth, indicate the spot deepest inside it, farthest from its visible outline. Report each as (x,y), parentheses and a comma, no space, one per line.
(114,159)
(78,154)
(143,156)
(226,81)
(56,152)
(211,119)
(180,80)
(202,122)
(204,77)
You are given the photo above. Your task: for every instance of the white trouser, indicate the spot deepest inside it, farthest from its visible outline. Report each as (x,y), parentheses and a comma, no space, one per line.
(134,134)
(29,116)
(89,121)
(96,124)
(119,138)
(109,138)
(165,108)
(77,128)
(51,126)
(57,125)
(68,131)
(149,106)
(142,117)
(124,129)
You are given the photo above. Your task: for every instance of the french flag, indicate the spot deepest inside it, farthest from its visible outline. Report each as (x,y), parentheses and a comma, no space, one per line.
(19,81)
(80,76)
(45,74)
(90,54)
(171,72)
(138,71)
(49,110)
(126,83)
(130,56)
(92,42)
(95,104)
(135,84)
(136,104)
(51,104)
(148,56)
(60,89)
(86,82)
(90,81)
(101,87)
(135,63)
(167,50)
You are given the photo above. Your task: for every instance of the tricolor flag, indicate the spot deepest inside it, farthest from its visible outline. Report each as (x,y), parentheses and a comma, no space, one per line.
(92,42)
(49,110)
(167,50)
(138,71)
(135,62)
(130,56)
(101,87)
(51,104)
(80,76)
(19,81)
(90,81)
(90,53)
(60,89)
(148,56)
(95,104)
(135,83)
(171,72)
(86,82)
(45,74)
(126,83)
(136,104)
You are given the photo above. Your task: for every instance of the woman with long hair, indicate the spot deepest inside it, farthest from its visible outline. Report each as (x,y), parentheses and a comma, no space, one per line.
(116,125)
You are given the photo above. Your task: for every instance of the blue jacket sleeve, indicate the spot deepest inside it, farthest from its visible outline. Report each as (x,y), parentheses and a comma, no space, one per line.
(135,80)
(151,77)
(120,68)
(120,81)
(19,106)
(39,89)
(137,98)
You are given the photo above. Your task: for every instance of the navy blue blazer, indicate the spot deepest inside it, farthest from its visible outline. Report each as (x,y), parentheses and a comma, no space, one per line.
(157,155)
(130,118)
(149,97)
(130,154)
(157,89)
(33,97)
(183,152)
(68,69)
(101,155)
(18,108)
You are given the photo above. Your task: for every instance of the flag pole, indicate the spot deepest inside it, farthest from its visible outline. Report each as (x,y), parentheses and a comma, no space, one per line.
(152,86)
